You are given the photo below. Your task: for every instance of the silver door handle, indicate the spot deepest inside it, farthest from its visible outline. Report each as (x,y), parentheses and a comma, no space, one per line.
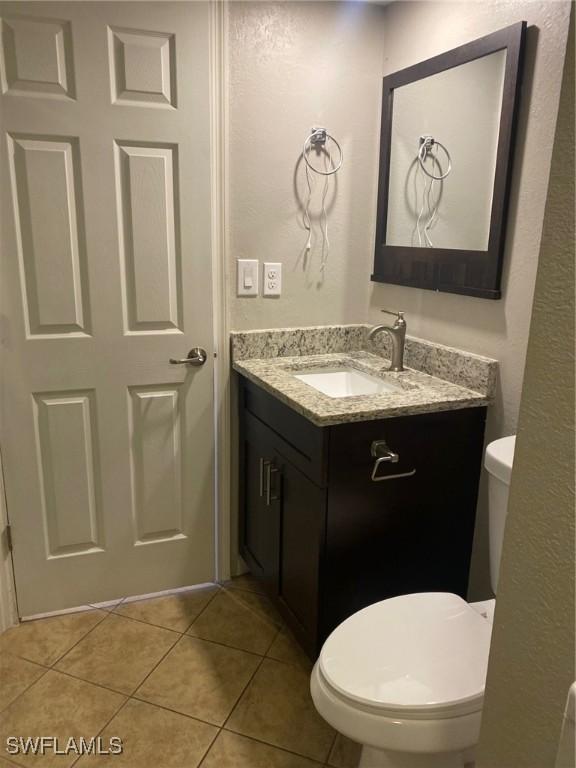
(270,470)
(196,356)
(264,463)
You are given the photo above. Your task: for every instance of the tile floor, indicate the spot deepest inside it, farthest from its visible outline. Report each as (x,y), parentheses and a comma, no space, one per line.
(207,678)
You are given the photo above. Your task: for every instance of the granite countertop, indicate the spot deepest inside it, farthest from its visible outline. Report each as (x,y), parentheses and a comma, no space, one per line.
(271,358)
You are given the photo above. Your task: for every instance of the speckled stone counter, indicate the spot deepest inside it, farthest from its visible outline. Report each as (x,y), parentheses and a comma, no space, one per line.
(437,378)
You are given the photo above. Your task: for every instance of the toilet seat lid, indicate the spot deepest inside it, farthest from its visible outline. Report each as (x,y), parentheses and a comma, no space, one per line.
(425,651)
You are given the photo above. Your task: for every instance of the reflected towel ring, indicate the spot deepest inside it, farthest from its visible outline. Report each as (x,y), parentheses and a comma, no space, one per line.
(319,136)
(426,143)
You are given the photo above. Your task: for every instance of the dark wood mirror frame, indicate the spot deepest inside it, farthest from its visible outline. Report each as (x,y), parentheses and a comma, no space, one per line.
(472,273)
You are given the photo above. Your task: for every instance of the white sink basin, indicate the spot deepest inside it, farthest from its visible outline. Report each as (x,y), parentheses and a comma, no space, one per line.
(345,382)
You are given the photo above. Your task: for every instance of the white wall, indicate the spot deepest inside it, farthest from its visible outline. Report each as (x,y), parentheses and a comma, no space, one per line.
(418,30)
(293,66)
(532,656)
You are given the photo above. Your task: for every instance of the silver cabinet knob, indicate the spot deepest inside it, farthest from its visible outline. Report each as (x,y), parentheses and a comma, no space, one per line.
(196,356)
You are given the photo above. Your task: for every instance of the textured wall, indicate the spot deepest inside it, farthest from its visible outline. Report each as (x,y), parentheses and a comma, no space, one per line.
(532,659)
(416,31)
(293,66)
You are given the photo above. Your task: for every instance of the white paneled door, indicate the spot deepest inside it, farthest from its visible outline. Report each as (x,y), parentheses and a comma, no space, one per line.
(106,275)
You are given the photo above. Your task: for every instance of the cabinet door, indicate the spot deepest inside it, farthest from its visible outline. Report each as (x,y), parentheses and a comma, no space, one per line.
(260,515)
(410,532)
(302,541)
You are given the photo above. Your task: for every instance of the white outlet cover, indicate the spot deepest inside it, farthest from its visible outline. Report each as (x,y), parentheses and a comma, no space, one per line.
(272,278)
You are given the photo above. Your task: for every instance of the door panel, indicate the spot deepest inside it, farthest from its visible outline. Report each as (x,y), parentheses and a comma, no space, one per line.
(50,234)
(261,513)
(106,275)
(70,473)
(149,237)
(303,510)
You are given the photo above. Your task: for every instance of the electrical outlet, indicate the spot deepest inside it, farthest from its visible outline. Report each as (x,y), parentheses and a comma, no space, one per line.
(272,278)
(247,275)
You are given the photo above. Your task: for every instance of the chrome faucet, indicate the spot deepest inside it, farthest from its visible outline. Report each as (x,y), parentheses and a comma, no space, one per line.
(397,333)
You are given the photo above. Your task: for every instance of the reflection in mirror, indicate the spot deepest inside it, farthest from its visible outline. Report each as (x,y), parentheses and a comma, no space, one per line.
(444,140)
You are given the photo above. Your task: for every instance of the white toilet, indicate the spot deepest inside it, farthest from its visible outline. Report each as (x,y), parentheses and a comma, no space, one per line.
(405,677)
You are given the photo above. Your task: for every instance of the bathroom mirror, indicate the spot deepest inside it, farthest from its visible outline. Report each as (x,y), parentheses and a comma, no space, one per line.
(445,167)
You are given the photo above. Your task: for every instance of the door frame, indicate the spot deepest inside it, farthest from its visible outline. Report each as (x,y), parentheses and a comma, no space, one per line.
(8,605)
(226,552)
(226,546)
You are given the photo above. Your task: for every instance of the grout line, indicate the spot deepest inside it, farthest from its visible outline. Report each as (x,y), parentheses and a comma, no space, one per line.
(32,684)
(106,724)
(91,682)
(228,729)
(146,623)
(224,645)
(216,592)
(226,586)
(205,755)
(327,758)
(105,615)
(46,665)
(243,691)
(161,626)
(140,621)
(272,643)
(106,687)
(282,749)
(141,683)
(134,697)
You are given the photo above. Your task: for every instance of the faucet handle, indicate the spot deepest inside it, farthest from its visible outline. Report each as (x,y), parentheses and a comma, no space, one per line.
(398,315)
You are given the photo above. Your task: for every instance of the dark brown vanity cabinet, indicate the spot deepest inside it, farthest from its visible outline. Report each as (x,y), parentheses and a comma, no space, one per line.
(325,538)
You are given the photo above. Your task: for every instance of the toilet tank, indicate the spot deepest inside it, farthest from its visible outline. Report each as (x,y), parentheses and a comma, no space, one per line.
(498,462)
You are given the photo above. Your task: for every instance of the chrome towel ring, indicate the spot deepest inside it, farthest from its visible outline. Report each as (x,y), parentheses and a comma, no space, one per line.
(319,136)
(426,144)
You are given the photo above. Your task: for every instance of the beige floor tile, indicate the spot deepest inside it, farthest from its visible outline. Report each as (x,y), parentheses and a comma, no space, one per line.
(277,708)
(175,612)
(119,653)
(200,679)
(154,738)
(246,582)
(15,676)
(233,751)
(46,640)
(345,753)
(241,619)
(285,648)
(60,706)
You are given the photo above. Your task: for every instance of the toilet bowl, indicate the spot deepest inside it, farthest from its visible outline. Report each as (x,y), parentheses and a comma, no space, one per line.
(405,677)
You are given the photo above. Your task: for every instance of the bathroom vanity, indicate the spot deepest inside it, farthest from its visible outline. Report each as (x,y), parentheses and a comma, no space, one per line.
(345,501)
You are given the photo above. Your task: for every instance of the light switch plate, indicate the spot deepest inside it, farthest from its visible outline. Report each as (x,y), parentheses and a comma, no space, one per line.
(272,278)
(247,277)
